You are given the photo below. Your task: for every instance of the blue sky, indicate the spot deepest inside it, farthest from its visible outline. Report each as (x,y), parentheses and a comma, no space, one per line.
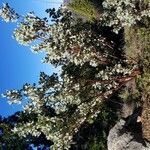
(18,64)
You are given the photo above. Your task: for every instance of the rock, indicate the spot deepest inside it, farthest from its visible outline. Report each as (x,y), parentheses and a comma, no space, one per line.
(120,138)
(128,109)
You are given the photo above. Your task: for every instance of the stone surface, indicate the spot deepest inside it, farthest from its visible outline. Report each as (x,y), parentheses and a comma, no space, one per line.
(121,139)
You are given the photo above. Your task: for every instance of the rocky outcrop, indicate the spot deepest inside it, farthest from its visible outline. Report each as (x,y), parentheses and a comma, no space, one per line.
(122,137)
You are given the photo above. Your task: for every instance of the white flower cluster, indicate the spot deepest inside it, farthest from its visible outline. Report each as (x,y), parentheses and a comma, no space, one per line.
(30,29)
(61,94)
(62,41)
(75,48)
(51,127)
(66,43)
(35,101)
(110,72)
(83,108)
(26,129)
(110,77)
(8,14)
(121,13)
(14,96)
(58,129)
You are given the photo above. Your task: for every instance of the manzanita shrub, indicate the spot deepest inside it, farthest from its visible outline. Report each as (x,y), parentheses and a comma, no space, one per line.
(91,72)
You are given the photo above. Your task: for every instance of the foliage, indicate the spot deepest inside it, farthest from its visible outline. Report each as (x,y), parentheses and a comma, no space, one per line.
(64,40)
(10,140)
(85,8)
(137,47)
(137,41)
(73,102)
(93,134)
(107,118)
(91,70)
(113,13)
(124,13)
(8,14)
(128,96)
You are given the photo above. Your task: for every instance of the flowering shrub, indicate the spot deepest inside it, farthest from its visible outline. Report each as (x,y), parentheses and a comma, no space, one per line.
(30,29)
(122,13)
(67,42)
(8,14)
(77,96)
(64,41)
(73,101)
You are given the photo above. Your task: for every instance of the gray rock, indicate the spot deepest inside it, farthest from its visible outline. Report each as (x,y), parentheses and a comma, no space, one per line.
(121,139)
